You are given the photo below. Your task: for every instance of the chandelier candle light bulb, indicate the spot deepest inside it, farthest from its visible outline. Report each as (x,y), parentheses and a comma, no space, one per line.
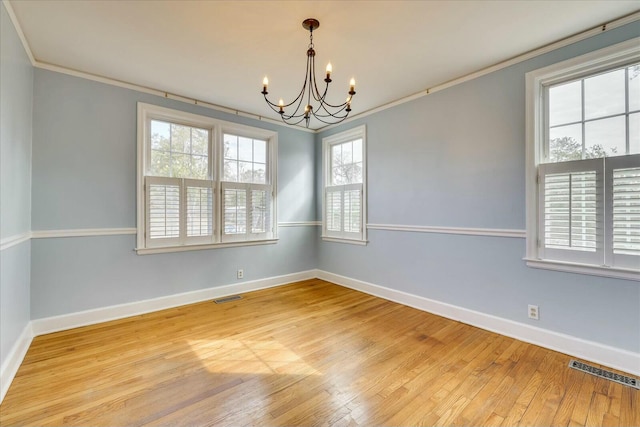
(316,105)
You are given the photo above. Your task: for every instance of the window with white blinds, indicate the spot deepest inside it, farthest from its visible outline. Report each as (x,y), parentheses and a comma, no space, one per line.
(583,164)
(202,182)
(246,189)
(344,205)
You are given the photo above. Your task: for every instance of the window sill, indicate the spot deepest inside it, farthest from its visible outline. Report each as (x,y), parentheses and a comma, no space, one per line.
(592,270)
(349,241)
(168,249)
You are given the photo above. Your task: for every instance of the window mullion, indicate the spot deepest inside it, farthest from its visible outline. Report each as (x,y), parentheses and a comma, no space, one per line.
(626,109)
(583,107)
(571,210)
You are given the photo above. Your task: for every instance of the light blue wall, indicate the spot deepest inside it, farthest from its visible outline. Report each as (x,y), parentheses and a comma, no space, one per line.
(84,176)
(84,155)
(74,274)
(457,158)
(16,95)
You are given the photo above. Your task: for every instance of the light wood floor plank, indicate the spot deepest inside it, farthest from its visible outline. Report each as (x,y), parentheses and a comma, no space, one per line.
(310,353)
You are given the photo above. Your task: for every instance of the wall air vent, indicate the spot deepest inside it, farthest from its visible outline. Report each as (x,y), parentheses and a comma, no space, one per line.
(227,299)
(612,376)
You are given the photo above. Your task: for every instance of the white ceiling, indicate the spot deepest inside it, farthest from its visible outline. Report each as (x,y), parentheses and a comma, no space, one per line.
(219,51)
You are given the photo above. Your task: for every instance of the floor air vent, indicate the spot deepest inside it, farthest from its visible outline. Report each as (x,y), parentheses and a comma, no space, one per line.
(227,299)
(621,379)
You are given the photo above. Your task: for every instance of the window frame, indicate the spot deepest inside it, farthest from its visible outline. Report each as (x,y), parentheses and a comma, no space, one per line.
(537,83)
(217,128)
(328,142)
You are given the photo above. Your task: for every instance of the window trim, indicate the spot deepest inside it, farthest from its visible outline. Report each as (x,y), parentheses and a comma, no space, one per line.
(610,57)
(216,127)
(359,132)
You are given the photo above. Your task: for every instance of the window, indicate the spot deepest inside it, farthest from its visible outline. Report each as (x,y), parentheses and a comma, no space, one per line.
(246,196)
(583,164)
(202,182)
(344,212)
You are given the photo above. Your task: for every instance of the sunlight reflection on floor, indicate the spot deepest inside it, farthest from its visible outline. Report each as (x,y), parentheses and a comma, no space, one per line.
(249,357)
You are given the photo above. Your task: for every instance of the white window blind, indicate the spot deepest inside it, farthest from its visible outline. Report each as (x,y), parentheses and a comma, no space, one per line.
(246,211)
(199,210)
(623,207)
(179,211)
(343,211)
(571,198)
(333,203)
(260,210)
(590,211)
(163,210)
(353,209)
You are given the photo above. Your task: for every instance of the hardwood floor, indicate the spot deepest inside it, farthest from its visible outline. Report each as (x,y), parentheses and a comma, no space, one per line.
(310,353)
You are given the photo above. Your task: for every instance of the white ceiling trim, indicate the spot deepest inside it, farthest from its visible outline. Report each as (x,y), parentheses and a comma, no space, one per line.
(517,59)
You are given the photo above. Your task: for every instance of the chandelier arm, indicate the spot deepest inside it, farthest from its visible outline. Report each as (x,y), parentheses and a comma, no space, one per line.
(316,92)
(276,109)
(290,122)
(321,98)
(301,94)
(340,119)
(287,117)
(325,106)
(331,114)
(289,104)
(298,99)
(271,104)
(336,115)
(337,109)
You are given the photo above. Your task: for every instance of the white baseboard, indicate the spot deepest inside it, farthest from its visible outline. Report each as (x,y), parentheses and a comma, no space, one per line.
(616,358)
(90,317)
(15,357)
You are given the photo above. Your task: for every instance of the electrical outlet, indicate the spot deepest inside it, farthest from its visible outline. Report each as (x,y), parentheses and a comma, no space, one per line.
(534,312)
(240,274)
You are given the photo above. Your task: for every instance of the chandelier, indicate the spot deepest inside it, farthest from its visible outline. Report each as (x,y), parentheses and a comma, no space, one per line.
(315,105)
